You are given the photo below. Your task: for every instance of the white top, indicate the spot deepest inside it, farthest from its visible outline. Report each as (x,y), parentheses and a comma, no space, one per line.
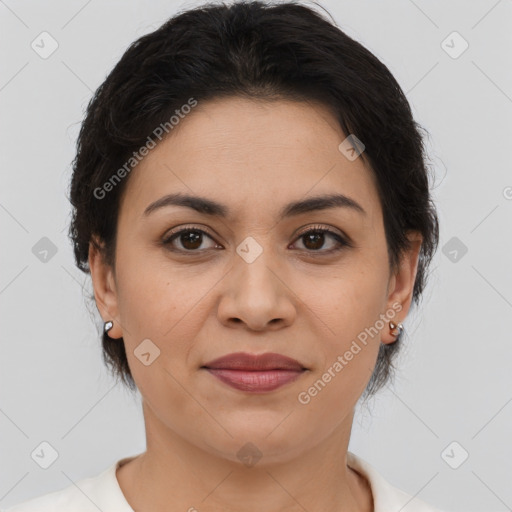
(103,492)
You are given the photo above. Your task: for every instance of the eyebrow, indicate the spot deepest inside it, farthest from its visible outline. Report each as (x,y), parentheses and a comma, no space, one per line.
(215,209)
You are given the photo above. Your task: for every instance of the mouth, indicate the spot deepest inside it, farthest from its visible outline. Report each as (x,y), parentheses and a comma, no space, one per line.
(255,373)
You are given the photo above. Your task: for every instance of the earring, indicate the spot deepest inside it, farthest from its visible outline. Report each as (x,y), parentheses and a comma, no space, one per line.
(395,329)
(107,326)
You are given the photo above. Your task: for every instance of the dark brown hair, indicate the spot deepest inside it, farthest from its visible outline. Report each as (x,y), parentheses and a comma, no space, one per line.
(256,50)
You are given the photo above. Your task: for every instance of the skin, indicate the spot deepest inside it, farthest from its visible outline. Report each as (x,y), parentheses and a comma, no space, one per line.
(254,157)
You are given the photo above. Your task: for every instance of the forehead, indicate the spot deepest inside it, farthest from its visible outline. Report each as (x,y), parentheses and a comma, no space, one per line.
(253,155)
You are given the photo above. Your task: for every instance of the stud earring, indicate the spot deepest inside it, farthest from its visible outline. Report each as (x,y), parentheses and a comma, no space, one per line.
(107,326)
(394,329)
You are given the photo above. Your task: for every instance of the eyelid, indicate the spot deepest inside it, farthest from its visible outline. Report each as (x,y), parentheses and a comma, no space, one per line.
(320,227)
(190,227)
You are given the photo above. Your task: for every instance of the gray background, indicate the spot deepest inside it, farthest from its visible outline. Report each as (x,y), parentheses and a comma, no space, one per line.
(454,383)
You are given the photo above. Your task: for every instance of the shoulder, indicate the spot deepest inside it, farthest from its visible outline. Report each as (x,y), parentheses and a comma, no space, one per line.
(386,497)
(69,498)
(100,492)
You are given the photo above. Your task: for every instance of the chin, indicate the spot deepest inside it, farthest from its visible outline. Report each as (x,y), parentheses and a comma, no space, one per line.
(258,445)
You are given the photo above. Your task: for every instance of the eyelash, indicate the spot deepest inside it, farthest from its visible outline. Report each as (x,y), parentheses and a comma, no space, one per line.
(343,243)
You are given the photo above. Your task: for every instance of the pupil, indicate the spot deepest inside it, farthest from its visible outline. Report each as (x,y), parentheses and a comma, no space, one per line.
(311,237)
(191,240)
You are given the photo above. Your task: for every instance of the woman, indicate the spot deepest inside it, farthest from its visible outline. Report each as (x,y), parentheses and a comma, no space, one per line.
(251,199)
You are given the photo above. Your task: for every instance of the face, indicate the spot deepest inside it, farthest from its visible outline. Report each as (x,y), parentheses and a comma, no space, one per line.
(311,283)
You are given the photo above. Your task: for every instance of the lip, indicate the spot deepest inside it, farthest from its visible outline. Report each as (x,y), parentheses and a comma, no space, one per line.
(255,362)
(256,381)
(255,373)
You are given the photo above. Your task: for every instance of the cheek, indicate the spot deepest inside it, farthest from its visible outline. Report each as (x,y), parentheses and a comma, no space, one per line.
(346,351)
(148,308)
(351,300)
(152,291)
(347,311)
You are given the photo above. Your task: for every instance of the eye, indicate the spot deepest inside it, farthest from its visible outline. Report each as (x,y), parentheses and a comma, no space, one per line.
(315,238)
(190,239)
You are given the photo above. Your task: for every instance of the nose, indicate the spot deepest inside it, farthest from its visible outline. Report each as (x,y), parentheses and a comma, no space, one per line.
(257,296)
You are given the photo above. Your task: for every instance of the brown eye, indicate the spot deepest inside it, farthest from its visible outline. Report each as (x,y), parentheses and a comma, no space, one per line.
(315,239)
(190,240)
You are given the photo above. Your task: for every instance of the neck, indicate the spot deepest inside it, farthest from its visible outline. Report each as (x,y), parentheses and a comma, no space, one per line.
(175,475)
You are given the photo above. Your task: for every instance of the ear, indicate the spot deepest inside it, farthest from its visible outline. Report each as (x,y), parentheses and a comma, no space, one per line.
(401,284)
(104,289)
